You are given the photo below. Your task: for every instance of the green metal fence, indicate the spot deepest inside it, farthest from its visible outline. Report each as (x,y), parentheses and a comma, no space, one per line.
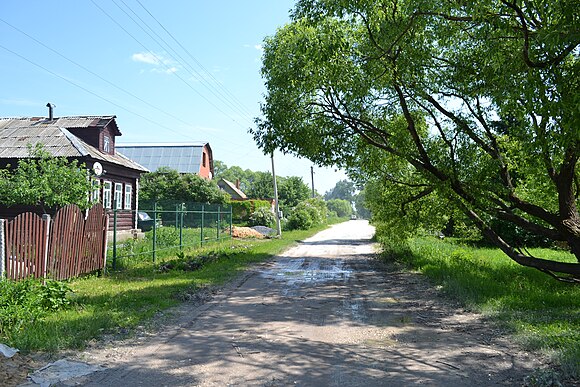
(168,228)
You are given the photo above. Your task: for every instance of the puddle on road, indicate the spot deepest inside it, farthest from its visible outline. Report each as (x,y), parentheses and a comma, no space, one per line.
(303,271)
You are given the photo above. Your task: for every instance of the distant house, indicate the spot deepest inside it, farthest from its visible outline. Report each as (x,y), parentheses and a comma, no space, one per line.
(88,139)
(193,157)
(232,189)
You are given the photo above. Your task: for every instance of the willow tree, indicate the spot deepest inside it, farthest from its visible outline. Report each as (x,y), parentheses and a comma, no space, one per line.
(476,102)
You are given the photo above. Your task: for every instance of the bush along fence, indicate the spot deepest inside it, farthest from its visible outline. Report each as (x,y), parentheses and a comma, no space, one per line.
(58,248)
(167,228)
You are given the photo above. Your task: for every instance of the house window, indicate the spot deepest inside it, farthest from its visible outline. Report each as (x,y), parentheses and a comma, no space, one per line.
(128,196)
(118,196)
(204,162)
(106,144)
(96,194)
(107,194)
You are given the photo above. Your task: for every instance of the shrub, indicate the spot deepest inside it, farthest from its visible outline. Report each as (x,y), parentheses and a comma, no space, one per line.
(300,219)
(262,217)
(25,302)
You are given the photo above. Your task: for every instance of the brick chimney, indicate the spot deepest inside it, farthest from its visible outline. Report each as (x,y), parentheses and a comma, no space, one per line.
(238,183)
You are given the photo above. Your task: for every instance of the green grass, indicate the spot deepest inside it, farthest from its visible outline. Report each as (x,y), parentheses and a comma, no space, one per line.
(124,299)
(541,313)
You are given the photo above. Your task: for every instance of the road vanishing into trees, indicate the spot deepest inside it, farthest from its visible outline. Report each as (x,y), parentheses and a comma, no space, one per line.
(324,313)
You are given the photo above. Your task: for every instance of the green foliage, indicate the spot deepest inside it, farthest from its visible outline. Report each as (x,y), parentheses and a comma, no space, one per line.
(23,303)
(308,213)
(262,217)
(166,184)
(243,209)
(259,185)
(299,219)
(442,107)
(340,207)
(344,189)
(291,191)
(39,180)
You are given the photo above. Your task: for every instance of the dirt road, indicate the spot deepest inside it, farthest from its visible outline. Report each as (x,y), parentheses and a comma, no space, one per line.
(322,314)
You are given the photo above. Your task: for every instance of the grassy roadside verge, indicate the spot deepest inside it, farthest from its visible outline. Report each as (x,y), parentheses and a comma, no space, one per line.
(541,313)
(121,301)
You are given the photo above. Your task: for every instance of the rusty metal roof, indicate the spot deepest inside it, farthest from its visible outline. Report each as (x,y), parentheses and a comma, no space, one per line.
(16,140)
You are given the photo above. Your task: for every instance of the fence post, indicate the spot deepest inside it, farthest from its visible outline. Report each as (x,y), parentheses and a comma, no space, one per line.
(218,223)
(182,207)
(154,229)
(202,220)
(176,216)
(114,234)
(2,249)
(46,220)
(231,221)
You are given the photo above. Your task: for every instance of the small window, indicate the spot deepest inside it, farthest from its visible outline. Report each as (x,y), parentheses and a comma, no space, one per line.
(107,194)
(203,161)
(118,196)
(106,144)
(128,196)
(96,194)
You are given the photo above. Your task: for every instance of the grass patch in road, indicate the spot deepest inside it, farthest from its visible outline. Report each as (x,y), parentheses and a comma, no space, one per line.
(542,313)
(123,300)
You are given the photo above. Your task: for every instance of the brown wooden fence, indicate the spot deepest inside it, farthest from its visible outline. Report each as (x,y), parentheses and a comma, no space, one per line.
(65,247)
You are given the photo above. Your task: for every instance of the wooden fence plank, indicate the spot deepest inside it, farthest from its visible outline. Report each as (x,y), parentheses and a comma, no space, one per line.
(75,246)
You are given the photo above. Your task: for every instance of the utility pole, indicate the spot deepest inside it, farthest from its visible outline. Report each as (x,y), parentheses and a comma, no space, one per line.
(276,207)
(312,177)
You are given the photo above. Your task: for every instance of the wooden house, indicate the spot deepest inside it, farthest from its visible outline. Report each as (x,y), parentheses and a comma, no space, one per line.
(88,139)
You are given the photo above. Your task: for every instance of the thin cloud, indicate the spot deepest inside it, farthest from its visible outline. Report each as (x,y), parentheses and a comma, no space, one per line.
(161,64)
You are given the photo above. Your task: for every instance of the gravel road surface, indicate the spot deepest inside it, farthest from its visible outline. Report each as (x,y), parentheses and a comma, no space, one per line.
(324,313)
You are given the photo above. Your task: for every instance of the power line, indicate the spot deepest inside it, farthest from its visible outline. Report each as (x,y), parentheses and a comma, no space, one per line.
(160,61)
(188,67)
(193,58)
(95,74)
(97,95)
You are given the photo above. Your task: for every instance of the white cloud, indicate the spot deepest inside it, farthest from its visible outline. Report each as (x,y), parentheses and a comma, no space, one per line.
(146,57)
(259,47)
(161,64)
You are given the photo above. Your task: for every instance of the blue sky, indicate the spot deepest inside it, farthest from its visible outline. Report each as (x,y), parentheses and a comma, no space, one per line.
(171,71)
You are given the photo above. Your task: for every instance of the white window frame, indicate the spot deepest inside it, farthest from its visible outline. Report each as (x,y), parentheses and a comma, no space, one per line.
(106,144)
(119,195)
(107,188)
(96,194)
(128,196)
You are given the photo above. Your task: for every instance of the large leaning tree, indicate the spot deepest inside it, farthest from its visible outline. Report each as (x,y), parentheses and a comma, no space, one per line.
(476,102)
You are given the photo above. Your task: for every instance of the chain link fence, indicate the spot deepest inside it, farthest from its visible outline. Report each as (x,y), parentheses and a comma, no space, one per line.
(166,229)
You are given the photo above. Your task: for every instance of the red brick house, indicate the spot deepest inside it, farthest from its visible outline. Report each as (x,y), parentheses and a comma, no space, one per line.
(191,157)
(88,139)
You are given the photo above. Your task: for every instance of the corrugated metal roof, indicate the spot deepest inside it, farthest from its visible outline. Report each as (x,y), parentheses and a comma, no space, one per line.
(184,158)
(15,143)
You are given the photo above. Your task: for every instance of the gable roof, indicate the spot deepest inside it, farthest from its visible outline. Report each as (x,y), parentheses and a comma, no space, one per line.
(231,187)
(72,122)
(59,142)
(182,157)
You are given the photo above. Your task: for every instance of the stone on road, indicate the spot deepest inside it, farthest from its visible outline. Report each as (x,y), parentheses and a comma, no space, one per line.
(324,313)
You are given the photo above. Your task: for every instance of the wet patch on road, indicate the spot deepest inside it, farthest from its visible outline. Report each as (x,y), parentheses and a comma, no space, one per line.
(302,271)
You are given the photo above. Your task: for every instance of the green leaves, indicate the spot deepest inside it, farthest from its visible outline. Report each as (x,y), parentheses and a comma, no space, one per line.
(39,180)
(474,104)
(168,184)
